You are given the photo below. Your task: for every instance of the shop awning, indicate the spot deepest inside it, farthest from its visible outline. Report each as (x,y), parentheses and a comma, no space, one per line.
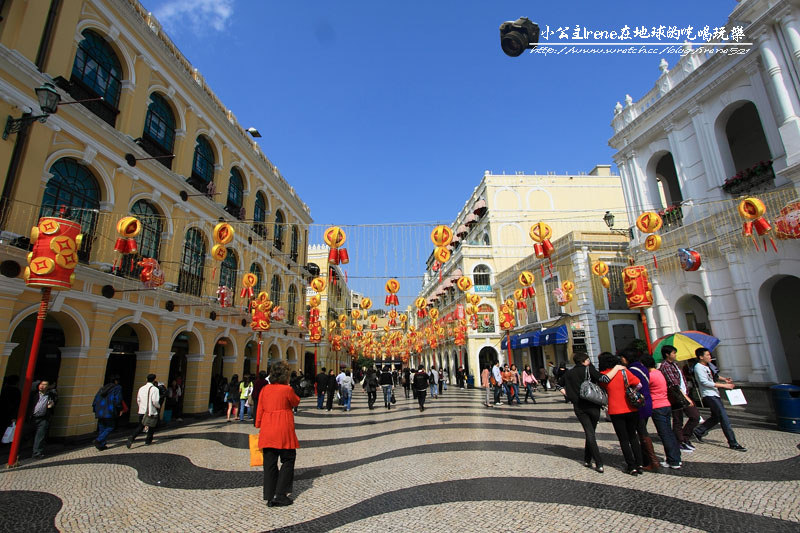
(514,342)
(480,207)
(556,335)
(529,338)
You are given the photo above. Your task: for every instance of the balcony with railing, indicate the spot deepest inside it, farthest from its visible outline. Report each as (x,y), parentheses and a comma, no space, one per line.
(758,178)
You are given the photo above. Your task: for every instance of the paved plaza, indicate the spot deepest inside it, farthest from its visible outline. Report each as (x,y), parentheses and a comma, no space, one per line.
(458,466)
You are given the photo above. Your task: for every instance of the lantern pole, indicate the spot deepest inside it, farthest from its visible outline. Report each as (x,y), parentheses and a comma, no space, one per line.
(315,358)
(26,390)
(508,347)
(646,331)
(258,353)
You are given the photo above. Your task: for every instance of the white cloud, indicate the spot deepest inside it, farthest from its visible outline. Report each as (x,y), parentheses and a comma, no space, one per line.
(197,15)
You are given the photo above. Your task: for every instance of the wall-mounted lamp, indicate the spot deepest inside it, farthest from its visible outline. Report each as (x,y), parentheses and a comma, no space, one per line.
(49,100)
(254,132)
(608,218)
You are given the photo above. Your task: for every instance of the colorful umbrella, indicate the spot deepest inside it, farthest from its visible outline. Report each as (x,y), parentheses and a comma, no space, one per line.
(686,342)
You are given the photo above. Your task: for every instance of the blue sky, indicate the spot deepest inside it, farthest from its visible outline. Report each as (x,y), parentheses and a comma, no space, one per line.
(389,113)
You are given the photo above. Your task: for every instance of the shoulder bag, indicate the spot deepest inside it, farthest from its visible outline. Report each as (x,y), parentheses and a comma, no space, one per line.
(676,398)
(634,396)
(592,392)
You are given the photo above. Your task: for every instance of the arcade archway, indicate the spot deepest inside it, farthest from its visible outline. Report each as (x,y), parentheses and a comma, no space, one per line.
(779,296)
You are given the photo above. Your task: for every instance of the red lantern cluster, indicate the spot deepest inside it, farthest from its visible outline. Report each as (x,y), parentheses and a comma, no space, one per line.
(335,237)
(260,309)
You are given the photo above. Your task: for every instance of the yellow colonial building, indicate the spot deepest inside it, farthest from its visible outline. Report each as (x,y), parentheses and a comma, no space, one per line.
(161,146)
(491,239)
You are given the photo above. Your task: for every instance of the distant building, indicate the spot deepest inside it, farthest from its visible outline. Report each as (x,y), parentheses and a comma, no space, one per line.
(335,300)
(717,128)
(491,237)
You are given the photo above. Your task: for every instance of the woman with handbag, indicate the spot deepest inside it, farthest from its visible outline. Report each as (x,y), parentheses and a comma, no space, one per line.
(630,358)
(662,414)
(587,404)
(622,408)
(529,382)
(277,438)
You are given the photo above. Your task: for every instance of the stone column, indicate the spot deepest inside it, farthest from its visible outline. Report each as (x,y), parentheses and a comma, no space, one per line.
(660,319)
(585,301)
(73,414)
(789,127)
(196,383)
(709,150)
(753,340)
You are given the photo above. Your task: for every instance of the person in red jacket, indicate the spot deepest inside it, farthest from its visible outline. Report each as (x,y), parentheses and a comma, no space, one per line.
(624,418)
(277,438)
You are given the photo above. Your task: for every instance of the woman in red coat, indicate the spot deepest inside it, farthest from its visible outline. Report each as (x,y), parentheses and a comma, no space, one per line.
(624,418)
(277,437)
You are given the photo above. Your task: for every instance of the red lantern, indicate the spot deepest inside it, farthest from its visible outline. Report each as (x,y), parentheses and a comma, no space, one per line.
(151,275)
(335,237)
(753,211)
(637,287)
(55,253)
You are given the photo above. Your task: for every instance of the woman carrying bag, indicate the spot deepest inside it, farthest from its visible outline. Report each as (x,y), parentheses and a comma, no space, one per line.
(277,437)
(624,415)
(586,407)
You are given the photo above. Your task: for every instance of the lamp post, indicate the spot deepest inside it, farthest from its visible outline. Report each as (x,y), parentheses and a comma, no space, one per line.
(48,101)
(608,218)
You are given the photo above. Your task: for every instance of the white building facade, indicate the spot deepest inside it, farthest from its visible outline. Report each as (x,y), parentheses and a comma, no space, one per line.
(715,117)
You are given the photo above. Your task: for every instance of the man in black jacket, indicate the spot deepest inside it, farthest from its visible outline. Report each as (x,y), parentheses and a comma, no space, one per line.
(321,382)
(421,386)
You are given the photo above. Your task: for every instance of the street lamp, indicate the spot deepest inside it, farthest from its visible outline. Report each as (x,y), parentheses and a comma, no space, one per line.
(608,218)
(48,101)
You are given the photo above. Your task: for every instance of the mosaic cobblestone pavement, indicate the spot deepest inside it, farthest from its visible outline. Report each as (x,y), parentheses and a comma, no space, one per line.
(459,466)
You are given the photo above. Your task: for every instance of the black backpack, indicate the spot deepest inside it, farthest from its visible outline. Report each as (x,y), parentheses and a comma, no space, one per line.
(162,393)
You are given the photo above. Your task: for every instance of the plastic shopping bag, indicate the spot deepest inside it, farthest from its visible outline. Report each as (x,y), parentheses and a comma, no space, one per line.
(8,436)
(256,456)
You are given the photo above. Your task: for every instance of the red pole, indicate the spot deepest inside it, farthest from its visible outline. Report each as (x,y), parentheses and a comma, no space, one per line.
(646,331)
(315,359)
(460,349)
(508,348)
(258,353)
(26,388)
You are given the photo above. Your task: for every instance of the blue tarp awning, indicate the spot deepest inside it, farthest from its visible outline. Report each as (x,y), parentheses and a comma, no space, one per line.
(556,335)
(514,342)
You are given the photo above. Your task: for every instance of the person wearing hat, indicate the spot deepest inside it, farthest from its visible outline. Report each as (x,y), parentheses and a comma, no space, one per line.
(107,406)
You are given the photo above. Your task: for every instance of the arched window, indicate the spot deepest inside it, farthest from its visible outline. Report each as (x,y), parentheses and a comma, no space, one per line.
(277,235)
(295,244)
(291,304)
(255,268)
(158,138)
(482,278)
(202,165)
(148,241)
(190,277)
(485,319)
(97,72)
(227,274)
(275,290)
(260,215)
(486,240)
(235,194)
(74,189)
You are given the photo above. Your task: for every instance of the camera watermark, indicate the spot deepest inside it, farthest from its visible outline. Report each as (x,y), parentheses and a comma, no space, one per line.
(626,40)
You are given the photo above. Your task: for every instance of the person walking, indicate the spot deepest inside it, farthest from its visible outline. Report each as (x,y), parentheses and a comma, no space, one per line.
(347,385)
(245,388)
(709,386)
(514,383)
(529,382)
(662,414)
(587,412)
(486,385)
(676,382)
(434,382)
(233,397)
(148,400)
(371,387)
(42,404)
(386,385)
(542,374)
(497,376)
(277,438)
(630,358)
(107,406)
(407,382)
(624,418)
(421,386)
(333,386)
(321,383)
